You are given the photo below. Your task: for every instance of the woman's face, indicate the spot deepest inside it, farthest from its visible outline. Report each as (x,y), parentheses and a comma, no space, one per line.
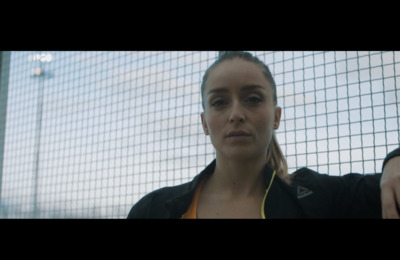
(239,113)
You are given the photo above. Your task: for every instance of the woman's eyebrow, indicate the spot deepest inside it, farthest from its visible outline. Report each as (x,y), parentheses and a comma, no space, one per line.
(218,90)
(246,88)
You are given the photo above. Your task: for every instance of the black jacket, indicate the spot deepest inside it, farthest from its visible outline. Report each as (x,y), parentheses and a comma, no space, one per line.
(310,195)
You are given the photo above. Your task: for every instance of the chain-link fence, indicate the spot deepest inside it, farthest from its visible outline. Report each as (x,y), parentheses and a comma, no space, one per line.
(87,134)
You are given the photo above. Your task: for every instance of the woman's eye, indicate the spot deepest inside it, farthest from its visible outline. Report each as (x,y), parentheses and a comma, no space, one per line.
(253,100)
(218,103)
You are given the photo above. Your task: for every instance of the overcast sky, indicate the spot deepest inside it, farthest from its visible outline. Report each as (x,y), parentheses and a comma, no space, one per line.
(117,125)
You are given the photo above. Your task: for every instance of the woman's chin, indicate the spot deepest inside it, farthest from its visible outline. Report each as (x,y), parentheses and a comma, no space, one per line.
(240,154)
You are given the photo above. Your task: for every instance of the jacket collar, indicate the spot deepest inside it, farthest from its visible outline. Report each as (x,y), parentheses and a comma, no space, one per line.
(179,204)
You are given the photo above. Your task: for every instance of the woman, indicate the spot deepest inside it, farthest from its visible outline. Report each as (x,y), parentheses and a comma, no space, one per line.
(249,177)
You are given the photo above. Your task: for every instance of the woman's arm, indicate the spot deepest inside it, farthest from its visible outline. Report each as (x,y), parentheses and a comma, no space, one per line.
(390,185)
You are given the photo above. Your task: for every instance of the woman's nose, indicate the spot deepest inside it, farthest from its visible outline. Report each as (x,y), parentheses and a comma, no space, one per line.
(237,114)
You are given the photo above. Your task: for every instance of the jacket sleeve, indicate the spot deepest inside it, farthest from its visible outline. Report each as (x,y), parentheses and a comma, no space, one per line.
(360,195)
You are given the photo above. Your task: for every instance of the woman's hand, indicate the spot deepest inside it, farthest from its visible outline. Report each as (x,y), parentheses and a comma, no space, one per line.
(390,189)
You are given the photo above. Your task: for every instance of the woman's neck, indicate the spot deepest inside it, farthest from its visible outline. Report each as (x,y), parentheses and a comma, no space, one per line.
(240,178)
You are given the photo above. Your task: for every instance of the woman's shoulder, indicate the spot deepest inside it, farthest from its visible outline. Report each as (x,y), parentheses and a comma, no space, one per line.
(325,183)
(156,203)
(347,195)
(168,201)
(306,174)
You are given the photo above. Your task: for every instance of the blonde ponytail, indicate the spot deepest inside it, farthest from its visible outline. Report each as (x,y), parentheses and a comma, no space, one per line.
(277,161)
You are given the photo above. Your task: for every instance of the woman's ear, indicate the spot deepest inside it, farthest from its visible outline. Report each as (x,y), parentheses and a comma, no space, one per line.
(204,124)
(277,117)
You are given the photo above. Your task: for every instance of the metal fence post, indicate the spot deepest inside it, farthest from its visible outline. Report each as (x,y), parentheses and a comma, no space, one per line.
(4,73)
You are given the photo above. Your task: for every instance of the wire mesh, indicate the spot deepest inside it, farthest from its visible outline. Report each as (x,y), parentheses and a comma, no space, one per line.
(89,133)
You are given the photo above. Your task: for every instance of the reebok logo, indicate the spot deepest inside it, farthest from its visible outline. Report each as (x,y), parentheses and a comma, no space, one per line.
(303,192)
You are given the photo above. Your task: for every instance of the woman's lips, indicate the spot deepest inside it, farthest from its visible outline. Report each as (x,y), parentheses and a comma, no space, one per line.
(237,134)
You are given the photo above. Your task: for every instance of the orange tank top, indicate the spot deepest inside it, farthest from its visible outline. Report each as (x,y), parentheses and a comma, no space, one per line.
(191,213)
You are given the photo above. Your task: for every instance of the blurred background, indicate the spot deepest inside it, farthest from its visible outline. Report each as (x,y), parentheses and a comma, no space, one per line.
(87,134)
